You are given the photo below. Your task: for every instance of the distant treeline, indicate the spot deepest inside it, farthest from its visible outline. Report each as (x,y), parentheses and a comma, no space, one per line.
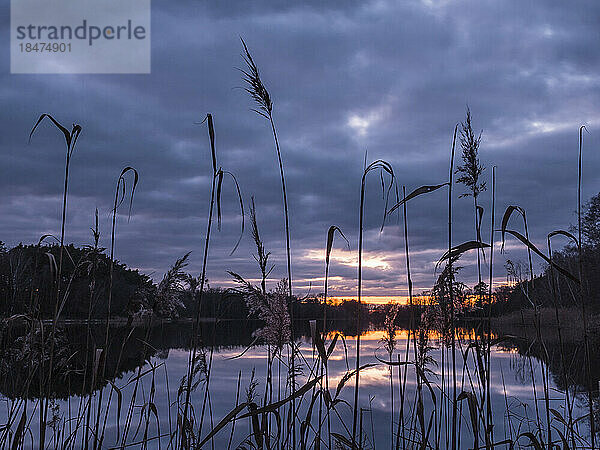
(28,286)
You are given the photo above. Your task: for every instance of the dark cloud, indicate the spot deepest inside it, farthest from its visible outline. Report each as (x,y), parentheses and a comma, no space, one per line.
(388,77)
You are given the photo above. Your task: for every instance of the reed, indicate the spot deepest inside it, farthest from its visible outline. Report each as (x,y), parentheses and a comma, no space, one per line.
(452,318)
(470,172)
(260,95)
(531,248)
(324,359)
(185,425)
(415,193)
(120,193)
(389,342)
(563,362)
(383,166)
(218,174)
(489,419)
(584,314)
(71,137)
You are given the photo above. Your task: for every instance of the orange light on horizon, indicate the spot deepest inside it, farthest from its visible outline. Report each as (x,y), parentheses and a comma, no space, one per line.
(469,300)
(378,335)
(381,299)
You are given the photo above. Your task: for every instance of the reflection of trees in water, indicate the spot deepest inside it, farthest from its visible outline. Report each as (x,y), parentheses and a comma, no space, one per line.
(24,361)
(566,365)
(24,353)
(572,373)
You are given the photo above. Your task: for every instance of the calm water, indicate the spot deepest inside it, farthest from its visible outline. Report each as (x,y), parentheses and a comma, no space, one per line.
(512,379)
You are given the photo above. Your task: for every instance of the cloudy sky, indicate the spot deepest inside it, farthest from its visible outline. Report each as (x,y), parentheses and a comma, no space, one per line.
(390,78)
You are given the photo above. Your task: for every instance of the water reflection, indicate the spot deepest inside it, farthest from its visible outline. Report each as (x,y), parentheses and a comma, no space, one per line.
(514,365)
(21,355)
(24,361)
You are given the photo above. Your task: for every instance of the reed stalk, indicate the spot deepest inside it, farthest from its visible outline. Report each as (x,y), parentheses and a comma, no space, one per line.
(384,167)
(489,318)
(452,314)
(260,95)
(192,356)
(582,295)
(215,201)
(564,375)
(70,141)
(470,172)
(325,362)
(120,192)
(411,325)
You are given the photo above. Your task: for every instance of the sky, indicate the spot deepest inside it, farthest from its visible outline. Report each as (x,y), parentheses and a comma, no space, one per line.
(346,77)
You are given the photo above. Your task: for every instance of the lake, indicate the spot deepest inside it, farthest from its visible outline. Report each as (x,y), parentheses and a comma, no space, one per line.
(153,362)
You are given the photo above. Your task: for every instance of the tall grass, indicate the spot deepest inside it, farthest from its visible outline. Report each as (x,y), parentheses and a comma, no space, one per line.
(187,426)
(452,318)
(218,175)
(324,356)
(119,198)
(570,437)
(470,172)
(382,166)
(528,292)
(120,192)
(582,292)
(260,95)
(489,419)
(70,137)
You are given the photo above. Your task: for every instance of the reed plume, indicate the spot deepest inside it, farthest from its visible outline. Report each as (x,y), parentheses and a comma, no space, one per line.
(260,94)
(470,175)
